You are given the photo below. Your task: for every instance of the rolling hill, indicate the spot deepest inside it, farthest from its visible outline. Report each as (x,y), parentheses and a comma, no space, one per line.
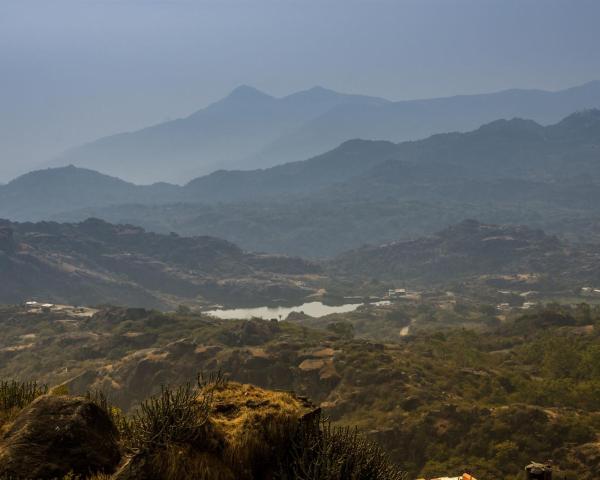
(94,262)
(470,250)
(40,194)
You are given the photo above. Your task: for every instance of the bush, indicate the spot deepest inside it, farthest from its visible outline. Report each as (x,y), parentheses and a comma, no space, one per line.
(319,451)
(175,416)
(17,395)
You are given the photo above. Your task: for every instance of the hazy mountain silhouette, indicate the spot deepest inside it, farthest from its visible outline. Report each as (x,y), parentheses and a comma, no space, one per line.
(249,129)
(410,120)
(226,134)
(507,171)
(42,193)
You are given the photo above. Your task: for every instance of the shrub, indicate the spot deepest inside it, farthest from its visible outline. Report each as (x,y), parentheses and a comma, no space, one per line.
(17,395)
(175,416)
(319,451)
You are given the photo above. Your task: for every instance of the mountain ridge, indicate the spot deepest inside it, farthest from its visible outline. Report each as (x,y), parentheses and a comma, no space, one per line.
(364,191)
(218,136)
(250,129)
(472,251)
(95,262)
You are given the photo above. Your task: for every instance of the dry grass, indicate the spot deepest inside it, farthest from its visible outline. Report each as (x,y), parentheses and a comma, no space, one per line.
(238,410)
(255,424)
(14,396)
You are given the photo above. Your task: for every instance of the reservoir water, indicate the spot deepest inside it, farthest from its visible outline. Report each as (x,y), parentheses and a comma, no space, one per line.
(314,309)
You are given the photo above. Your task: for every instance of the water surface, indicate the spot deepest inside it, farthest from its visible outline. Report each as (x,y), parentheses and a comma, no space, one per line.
(314,309)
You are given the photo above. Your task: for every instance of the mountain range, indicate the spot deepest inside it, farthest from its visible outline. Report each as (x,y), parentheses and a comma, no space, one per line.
(250,129)
(507,171)
(235,132)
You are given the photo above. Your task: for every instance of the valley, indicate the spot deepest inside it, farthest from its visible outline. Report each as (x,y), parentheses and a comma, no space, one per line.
(465,375)
(482,337)
(299,240)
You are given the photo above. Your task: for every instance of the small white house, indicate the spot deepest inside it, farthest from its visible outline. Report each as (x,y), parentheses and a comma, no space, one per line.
(397,292)
(503,307)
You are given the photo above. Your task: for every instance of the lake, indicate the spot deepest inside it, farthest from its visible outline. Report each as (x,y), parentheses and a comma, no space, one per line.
(314,309)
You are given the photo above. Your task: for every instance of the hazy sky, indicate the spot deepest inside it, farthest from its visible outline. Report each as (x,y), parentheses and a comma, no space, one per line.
(74,70)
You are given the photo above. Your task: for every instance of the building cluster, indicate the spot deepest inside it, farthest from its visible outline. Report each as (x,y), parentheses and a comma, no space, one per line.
(33,306)
(590,291)
(403,293)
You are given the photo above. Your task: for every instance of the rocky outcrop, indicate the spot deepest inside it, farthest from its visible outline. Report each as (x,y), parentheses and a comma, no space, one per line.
(58,435)
(248,434)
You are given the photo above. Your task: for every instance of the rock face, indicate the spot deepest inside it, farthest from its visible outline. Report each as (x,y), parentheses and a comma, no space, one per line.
(57,435)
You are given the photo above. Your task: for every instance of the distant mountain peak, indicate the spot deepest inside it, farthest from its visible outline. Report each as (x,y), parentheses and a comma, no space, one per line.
(591,85)
(591,114)
(243,96)
(319,90)
(244,92)
(518,126)
(65,174)
(251,129)
(583,122)
(317,93)
(322,94)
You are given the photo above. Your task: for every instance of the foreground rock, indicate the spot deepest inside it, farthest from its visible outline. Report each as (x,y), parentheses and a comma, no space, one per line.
(248,432)
(58,435)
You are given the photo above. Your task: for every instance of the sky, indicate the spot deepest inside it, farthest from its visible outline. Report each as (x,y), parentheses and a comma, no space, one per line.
(75,70)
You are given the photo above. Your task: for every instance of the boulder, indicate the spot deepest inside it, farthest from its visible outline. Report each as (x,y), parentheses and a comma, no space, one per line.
(58,435)
(249,432)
